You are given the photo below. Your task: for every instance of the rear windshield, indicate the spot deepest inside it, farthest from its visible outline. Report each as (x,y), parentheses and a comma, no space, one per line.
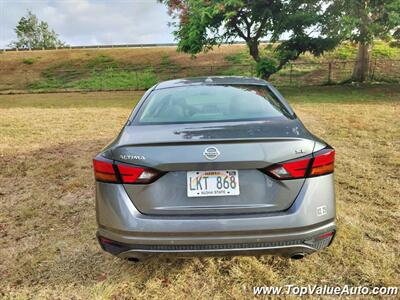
(210,103)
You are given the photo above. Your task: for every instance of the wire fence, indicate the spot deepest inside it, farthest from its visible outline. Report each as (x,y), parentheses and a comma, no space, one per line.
(104,46)
(140,78)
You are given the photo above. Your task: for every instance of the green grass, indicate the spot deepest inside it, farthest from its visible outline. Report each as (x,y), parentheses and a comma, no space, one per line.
(365,93)
(236,71)
(97,73)
(139,68)
(115,79)
(166,61)
(299,70)
(30,60)
(102,61)
(239,58)
(107,79)
(383,50)
(345,51)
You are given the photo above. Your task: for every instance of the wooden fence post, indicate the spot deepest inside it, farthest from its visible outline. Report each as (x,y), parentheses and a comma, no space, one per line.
(98,73)
(373,70)
(330,73)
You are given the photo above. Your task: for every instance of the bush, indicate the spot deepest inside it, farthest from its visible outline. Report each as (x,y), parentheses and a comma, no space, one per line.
(265,67)
(395,44)
(29,61)
(383,50)
(345,51)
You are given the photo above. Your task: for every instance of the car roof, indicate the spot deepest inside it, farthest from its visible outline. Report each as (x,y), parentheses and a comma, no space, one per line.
(210,80)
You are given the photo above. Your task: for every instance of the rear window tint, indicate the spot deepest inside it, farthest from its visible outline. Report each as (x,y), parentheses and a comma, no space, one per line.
(210,103)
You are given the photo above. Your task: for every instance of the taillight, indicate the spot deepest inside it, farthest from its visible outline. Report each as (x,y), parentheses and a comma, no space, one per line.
(289,170)
(324,162)
(106,170)
(132,174)
(320,163)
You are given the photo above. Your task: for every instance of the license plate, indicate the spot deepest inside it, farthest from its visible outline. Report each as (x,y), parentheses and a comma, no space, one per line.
(213,183)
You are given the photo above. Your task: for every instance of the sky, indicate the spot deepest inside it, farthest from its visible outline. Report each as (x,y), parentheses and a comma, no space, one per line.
(92,22)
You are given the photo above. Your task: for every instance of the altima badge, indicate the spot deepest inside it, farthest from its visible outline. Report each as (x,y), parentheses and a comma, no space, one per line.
(211,153)
(132,157)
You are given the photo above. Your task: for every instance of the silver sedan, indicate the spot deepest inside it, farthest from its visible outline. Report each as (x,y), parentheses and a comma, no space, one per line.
(214,165)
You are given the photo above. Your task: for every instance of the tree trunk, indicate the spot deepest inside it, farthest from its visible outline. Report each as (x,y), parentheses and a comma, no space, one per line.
(254,52)
(253,49)
(265,76)
(360,70)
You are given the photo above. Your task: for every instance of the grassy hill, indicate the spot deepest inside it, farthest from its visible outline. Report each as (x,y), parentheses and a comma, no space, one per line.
(81,67)
(140,68)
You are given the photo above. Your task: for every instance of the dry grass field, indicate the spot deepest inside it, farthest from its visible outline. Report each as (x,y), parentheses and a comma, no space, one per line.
(145,56)
(47,218)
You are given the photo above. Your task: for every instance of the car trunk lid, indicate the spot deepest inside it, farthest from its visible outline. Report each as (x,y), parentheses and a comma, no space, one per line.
(245,146)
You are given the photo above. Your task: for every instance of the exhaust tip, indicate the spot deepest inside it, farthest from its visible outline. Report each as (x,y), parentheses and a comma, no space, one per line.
(297,256)
(133,256)
(133,259)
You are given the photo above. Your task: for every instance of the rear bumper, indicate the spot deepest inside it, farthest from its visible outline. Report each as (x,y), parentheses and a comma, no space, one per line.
(125,232)
(285,245)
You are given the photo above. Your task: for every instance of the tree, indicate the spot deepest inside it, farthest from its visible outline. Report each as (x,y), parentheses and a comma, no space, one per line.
(396,34)
(32,33)
(202,24)
(362,21)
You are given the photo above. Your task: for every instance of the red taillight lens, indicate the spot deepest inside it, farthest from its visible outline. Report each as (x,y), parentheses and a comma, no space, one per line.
(321,163)
(129,174)
(104,170)
(290,170)
(132,174)
(107,171)
(324,162)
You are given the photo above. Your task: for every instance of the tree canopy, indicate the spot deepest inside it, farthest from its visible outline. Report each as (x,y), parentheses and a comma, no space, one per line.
(296,26)
(32,33)
(362,21)
(365,20)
